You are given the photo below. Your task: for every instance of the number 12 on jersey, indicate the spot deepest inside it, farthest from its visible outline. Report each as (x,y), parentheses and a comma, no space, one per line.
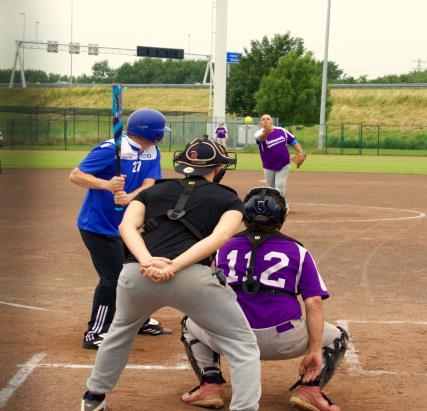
(270,269)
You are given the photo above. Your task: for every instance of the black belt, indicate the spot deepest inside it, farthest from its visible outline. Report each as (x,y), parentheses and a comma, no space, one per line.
(265,290)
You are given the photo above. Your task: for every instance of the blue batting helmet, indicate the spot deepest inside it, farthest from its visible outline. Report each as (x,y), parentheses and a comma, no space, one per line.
(147,123)
(264,209)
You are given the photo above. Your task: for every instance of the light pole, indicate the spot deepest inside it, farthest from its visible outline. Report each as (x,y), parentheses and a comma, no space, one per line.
(23,40)
(37,24)
(322,125)
(71,54)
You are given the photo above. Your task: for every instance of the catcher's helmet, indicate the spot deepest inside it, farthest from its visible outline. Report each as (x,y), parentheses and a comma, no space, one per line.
(264,209)
(147,123)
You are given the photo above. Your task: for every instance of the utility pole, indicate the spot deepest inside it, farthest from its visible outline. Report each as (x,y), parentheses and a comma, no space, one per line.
(419,64)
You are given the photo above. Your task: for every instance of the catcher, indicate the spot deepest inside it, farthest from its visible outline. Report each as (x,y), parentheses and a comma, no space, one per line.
(273,148)
(267,270)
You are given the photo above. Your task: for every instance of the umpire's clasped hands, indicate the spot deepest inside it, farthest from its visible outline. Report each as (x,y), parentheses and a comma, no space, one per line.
(157,269)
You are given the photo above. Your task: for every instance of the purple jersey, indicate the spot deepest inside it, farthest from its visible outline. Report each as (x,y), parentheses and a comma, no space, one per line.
(279,263)
(221,132)
(274,150)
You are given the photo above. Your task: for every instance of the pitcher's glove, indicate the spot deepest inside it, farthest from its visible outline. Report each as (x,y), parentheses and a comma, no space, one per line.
(298,159)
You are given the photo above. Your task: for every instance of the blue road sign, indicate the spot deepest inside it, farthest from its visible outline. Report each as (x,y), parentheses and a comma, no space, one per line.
(233,58)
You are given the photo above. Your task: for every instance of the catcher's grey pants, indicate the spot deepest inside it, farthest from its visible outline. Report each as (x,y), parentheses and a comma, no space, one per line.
(277,179)
(273,345)
(197,293)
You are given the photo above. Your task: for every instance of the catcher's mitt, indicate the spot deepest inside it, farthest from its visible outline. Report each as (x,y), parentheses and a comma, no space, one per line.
(298,159)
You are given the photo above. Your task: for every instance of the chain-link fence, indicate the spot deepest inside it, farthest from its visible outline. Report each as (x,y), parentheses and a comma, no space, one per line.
(74,129)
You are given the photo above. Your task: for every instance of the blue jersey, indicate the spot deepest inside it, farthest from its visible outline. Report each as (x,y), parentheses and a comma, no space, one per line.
(98,212)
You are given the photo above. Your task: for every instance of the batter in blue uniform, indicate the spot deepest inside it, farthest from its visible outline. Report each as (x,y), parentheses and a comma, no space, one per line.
(99,218)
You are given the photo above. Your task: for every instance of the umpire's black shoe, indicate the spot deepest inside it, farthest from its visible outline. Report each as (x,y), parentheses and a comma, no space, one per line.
(153,327)
(92,342)
(93,402)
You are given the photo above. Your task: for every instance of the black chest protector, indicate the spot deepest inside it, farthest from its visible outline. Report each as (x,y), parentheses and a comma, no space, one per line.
(178,212)
(252,285)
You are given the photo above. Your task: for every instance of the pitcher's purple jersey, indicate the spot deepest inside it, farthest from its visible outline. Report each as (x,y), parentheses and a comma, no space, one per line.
(279,263)
(221,132)
(274,150)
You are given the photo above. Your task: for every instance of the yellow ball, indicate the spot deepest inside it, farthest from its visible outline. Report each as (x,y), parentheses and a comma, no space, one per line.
(248,120)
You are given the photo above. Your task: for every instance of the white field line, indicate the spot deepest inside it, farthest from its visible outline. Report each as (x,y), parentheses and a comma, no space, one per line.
(179,366)
(410,322)
(29,307)
(352,359)
(19,378)
(418,214)
(351,356)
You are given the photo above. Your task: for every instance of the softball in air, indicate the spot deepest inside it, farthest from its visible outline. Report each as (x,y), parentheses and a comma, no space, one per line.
(248,120)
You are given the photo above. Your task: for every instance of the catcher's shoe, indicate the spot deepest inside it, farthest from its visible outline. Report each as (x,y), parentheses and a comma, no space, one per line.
(312,398)
(93,402)
(153,327)
(205,395)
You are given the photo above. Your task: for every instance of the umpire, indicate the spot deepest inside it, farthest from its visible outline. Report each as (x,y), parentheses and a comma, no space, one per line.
(99,218)
(184,222)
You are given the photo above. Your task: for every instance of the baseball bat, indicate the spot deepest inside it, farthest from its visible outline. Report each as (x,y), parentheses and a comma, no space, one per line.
(117,128)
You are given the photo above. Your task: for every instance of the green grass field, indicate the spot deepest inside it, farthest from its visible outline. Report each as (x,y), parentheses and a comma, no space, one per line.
(246,161)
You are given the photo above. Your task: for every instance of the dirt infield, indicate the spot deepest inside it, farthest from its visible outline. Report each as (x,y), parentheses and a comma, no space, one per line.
(366,232)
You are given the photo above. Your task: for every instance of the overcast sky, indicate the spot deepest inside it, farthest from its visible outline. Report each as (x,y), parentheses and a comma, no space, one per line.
(372,37)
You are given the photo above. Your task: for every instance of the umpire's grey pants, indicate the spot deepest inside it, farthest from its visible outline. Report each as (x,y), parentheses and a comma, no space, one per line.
(277,179)
(197,293)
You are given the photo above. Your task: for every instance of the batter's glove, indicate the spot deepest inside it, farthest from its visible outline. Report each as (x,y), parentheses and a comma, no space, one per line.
(298,159)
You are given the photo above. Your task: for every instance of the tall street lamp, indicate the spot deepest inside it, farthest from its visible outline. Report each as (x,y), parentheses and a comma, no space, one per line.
(71,54)
(37,24)
(23,39)
(322,125)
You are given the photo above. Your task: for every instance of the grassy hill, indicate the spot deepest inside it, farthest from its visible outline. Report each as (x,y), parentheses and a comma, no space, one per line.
(371,106)
(380,106)
(163,99)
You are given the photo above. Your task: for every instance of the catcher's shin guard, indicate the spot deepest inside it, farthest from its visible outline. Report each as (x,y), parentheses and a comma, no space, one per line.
(210,373)
(333,357)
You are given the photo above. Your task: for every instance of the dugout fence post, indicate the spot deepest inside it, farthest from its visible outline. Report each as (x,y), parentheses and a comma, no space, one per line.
(37,125)
(98,125)
(12,132)
(378,139)
(30,129)
(360,138)
(65,130)
(342,138)
(74,126)
(48,131)
(326,139)
(170,137)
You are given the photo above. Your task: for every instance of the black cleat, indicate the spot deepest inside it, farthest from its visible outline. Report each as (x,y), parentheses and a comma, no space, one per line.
(153,327)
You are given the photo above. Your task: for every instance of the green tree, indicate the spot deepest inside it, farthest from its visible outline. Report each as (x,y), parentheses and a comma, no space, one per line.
(245,77)
(102,72)
(335,74)
(292,90)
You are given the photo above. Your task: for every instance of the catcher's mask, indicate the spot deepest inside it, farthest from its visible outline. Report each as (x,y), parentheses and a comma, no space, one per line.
(264,209)
(202,156)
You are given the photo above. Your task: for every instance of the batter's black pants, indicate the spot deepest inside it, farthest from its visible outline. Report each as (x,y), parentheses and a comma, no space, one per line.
(108,254)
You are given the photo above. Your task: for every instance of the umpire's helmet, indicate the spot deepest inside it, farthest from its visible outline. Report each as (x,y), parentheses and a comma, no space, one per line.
(264,209)
(201,156)
(147,123)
